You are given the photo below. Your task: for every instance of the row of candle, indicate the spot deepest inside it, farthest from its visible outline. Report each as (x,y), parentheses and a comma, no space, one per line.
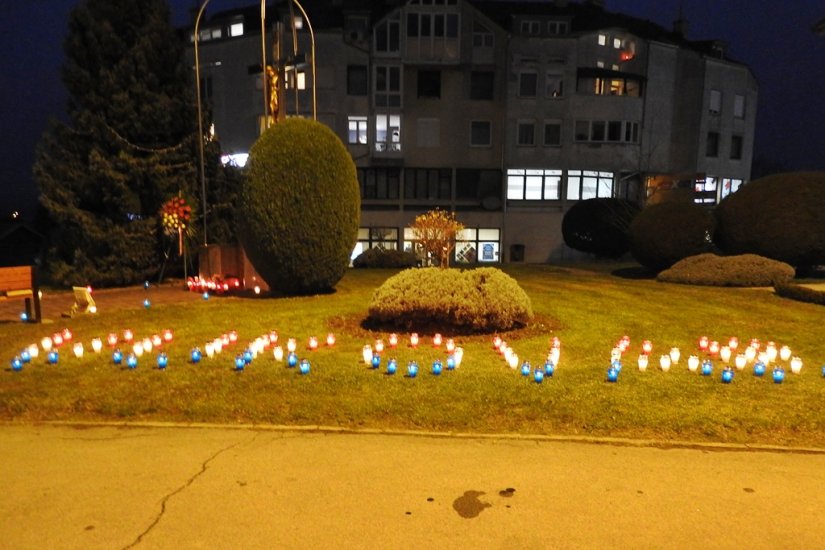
(512,360)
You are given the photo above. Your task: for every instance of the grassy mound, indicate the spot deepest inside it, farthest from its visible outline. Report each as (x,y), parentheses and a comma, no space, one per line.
(743,270)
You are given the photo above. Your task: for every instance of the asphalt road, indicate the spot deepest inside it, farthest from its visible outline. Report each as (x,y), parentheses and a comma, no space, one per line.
(222,487)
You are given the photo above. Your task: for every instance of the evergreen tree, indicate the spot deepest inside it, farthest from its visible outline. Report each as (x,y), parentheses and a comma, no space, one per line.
(130,144)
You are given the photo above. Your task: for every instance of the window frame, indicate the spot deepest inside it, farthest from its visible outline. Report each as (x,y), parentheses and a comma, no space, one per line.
(489,125)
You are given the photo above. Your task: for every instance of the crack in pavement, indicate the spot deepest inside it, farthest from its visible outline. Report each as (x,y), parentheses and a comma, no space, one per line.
(188,483)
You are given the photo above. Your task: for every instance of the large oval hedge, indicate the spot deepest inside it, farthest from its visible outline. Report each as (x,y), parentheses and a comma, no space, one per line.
(599,226)
(779,216)
(745,270)
(662,234)
(477,300)
(299,207)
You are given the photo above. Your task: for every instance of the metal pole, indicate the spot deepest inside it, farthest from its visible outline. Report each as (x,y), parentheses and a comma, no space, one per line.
(312,55)
(200,118)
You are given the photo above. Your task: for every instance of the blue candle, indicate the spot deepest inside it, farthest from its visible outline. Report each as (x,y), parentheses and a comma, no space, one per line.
(392,366)
(727,375)
(25,356)
(412,369)
(538,376)
(147,303)
(52,357)
(549,368)
(376,360)
(247,356)
(759,368)
(525,368)
(117,356)
(612,374)
(823,371)
(205,295)
(163,360)
(239,362)
(707,367)
(16,364)
(304,366)
(291,359)
(437,366)
(24,317)
(616,364)
(131,361)
(778,375)
(195,355)
(450,362)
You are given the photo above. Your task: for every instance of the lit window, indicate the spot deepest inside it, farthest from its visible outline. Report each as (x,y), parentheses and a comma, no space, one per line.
(533,184)
(357,130)
(617,43)
(477,245)
(387,133)
(589,184)
(236,29)
(602,39)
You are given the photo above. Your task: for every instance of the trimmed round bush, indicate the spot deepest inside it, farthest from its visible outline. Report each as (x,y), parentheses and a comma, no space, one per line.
(386,258)
(779,216)
(599,226)
(662,234)
(476,300)
(299,207)
(742,270)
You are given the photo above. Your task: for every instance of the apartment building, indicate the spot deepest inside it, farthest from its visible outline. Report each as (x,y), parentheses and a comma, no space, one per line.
(507,113)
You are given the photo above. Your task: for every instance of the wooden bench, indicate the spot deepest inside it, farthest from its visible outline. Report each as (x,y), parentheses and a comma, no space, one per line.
(21,282)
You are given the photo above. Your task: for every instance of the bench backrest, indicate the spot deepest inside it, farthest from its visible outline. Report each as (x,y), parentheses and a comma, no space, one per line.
(16,278)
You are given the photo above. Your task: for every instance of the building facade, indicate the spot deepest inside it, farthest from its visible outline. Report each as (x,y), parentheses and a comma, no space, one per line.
(507,113)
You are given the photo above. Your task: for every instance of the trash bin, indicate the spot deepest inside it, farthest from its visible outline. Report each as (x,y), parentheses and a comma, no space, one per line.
(516,252)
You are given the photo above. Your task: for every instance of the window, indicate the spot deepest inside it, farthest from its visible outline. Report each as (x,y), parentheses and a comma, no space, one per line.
(617,43)
(526,133)
(477,245)
(533,184)
(527,84)
(483,186)
(429,83)
(379,183)
(736,147)
(616,131)
(627,86)
(552,133)
(482,37)
(428,183)
(481,133)
(557,27)
(589,184)
(387,36)
(739,106)
(387,86)
(602,39)
(530,27)
(554,85)
(712,146)
(377,237)
(236,29)
(357,130)
(356,80)
(482,84)
(715,104)
(705,190)
(729,185)
(387,133)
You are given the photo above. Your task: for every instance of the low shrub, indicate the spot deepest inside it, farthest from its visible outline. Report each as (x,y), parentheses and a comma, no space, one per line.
(800,293)
(477,300)
(381,257)
(743,270)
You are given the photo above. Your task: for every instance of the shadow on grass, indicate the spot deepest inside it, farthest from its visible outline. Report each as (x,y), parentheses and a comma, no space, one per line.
(634,273)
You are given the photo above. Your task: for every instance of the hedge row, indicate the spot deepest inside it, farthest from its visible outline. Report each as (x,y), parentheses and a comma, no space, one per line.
(745,270)
(800,293)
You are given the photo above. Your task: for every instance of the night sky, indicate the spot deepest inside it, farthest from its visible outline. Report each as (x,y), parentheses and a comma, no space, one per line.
(773,38)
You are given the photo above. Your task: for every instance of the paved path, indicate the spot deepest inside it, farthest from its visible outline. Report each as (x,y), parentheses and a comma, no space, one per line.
(200,487)
(57,302)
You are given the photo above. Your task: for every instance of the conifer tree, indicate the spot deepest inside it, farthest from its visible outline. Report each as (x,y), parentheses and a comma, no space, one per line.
(130,143)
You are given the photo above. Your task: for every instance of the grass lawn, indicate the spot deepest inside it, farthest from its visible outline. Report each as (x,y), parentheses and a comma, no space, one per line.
(587,307)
